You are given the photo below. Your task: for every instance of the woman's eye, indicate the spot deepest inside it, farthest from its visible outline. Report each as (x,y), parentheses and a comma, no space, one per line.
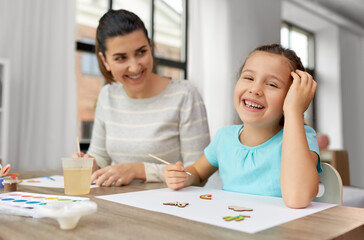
(141,52)
(120,58)
(248,78)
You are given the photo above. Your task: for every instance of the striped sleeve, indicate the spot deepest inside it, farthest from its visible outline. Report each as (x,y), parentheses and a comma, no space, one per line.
(154,172)
(194,130)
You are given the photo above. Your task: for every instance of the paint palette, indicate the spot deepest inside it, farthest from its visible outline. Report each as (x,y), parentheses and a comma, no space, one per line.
(27,204)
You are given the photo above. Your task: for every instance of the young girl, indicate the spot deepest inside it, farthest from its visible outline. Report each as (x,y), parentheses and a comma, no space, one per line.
(139,112)
(272,153)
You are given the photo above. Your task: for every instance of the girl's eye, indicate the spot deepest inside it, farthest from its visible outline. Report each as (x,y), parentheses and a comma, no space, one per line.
(272,85)
(248,78)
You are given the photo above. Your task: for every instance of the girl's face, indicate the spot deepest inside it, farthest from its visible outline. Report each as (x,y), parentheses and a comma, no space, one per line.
(262,87)
(129,58)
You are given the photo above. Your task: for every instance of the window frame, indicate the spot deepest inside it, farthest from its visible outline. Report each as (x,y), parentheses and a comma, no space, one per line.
(311,55)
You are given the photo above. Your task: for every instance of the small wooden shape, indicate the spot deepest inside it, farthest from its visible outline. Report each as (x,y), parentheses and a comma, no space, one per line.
(206,196)
(236,218)
(239,208)
(178,204)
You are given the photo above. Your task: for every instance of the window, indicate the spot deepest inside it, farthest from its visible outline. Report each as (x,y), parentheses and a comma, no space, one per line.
(87,129)
(302,42)
(165,21)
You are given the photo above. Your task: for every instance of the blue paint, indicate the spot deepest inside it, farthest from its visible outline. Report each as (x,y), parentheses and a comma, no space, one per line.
(7,199)
(1,182)
(32,202)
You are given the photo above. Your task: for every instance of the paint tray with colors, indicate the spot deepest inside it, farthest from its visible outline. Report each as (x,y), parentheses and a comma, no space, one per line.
(27,204)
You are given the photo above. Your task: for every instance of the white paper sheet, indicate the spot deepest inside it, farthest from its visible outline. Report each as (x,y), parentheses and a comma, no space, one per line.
(267,211)
(46,182)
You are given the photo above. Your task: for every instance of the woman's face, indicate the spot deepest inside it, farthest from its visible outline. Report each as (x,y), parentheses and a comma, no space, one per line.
(129,58)
(262,88)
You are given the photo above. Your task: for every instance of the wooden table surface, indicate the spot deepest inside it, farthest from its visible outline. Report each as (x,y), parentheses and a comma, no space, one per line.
(118,221)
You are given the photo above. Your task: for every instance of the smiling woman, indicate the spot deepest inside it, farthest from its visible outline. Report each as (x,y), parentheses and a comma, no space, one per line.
(139,112)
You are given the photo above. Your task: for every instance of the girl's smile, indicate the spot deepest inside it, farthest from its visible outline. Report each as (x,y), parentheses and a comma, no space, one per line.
(252,105)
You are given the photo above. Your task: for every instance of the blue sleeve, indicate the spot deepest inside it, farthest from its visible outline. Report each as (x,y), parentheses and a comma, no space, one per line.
(313,145)
(212,149)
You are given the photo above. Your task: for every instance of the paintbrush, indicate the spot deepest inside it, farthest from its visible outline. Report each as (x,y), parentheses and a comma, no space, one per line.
(78,147)
(165,162)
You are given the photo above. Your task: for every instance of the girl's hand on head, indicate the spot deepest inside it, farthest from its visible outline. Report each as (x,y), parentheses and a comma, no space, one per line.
(116,175)
(300,94)
(174,176)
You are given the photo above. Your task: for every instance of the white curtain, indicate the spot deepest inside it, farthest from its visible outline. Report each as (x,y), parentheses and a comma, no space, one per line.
(209,61)
(38,38)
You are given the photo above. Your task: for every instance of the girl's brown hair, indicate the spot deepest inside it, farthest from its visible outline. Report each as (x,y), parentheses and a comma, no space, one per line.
(276,48)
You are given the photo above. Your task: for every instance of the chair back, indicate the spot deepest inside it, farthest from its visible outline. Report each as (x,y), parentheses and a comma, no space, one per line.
(333,186)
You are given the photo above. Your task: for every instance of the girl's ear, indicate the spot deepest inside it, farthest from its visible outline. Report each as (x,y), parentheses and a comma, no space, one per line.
(104,61)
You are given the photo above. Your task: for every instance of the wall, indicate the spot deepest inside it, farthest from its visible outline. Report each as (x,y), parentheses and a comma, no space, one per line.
(328,95)
(352,62)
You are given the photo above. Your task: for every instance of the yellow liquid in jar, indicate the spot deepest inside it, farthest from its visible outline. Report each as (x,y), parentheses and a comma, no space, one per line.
(77,181)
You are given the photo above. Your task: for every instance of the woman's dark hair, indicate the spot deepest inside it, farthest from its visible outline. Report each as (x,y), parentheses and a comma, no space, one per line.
(112,24)
(275,48)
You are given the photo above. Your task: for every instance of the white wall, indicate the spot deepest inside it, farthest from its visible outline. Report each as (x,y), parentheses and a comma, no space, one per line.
(328,97)
(352,82)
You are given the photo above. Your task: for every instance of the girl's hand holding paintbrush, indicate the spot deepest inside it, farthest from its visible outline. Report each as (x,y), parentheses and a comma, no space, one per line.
(177,177)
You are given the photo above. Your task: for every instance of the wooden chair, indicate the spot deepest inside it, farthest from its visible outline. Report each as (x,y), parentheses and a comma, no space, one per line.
(331,180)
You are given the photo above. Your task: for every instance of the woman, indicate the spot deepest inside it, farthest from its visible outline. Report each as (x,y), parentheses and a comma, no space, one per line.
(139,112)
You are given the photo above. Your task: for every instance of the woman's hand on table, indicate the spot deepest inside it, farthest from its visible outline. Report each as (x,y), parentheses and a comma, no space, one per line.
(118,174)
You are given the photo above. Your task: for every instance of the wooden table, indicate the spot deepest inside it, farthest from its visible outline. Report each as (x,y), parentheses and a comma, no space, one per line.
(118,221)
